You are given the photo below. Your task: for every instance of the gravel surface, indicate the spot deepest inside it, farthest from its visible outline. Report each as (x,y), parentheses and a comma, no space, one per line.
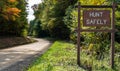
(20,57)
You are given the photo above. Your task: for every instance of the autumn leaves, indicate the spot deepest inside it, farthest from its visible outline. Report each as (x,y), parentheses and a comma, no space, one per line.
(9,11)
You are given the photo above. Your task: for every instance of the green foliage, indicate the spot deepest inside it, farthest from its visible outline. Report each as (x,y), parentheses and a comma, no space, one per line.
(96,43)
(59,18)
(118,24)
(22,20)
(39,32)
(71,21)
(51,14)
(36,30)
(59,29)
(31,27)
(117,35)
(117,47)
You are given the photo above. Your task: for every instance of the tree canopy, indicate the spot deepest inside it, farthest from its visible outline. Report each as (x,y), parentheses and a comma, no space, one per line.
(13,17)
(58,18)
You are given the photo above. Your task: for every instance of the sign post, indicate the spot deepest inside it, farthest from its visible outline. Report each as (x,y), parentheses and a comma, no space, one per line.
(112,36)
(78,36)
(97,18)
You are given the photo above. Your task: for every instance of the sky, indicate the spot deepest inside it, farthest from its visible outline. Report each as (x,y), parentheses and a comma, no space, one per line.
(30,11)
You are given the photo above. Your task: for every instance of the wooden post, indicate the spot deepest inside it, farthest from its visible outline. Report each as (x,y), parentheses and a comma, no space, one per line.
(112,37)
(112,30)
(78,36)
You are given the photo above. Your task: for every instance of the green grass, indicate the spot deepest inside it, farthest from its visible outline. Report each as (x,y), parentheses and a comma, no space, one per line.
(62,57)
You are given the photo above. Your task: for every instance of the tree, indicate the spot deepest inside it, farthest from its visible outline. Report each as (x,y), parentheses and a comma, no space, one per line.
(22,21)
(8,9)
(13,13)
(51,13)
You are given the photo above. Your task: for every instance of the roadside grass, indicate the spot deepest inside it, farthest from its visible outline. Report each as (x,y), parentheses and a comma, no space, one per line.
(10,41)
(62,57)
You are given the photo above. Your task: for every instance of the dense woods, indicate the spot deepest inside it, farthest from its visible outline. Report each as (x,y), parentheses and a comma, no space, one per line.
(13,17)
(58,19)
(50,15)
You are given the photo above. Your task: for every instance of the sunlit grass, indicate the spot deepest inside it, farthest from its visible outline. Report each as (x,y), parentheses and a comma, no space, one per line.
(62,57)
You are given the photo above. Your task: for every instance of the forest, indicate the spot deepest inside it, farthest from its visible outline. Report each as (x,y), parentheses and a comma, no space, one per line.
(58,19)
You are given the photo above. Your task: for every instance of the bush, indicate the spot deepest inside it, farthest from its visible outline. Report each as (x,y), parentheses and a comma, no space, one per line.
(59,29)
(117,34)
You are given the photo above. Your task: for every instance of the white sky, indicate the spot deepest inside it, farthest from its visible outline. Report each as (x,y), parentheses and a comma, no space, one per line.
(30,11)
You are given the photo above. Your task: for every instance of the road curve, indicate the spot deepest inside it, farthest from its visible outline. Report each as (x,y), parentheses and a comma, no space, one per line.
(19,57)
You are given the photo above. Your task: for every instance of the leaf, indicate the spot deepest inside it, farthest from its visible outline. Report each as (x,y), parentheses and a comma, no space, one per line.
(12,1)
